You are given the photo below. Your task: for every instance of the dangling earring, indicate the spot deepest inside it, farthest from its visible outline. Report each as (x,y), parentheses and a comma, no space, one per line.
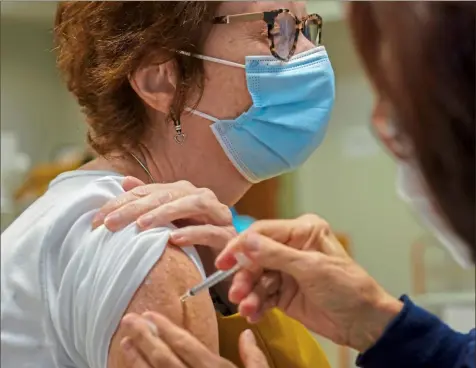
(179,137)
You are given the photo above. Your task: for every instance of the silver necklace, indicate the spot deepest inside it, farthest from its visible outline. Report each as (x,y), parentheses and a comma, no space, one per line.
(143,166)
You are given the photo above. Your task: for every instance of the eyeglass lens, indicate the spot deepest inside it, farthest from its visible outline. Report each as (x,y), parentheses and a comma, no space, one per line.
(311,30)
(284,33)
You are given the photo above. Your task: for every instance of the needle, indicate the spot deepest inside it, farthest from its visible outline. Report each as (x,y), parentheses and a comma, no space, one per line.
(216,277)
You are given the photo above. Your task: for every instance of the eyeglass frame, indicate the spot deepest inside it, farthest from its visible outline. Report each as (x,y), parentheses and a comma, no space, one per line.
(270,18)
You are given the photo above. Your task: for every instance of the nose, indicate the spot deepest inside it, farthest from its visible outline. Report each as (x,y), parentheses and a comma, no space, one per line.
(303,44)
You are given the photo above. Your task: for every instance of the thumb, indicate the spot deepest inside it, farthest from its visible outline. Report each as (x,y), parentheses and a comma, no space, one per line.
(130,183)
(250,353)
(268,253)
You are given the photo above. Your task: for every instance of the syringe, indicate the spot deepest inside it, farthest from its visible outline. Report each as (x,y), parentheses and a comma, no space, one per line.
(216,277)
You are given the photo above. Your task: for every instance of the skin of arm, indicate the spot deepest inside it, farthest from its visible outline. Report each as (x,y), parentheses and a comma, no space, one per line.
(160,292)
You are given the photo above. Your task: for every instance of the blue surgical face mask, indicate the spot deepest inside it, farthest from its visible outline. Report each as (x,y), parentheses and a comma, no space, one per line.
(292,102)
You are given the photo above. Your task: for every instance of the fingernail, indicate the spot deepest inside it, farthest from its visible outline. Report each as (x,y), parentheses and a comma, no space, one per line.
(243,260)
(225,261)
(232,295)
(98,219)
(152,326)
(176,237)
(145,221)
(253,319)
(251,243)
(126,344)
(249,337)
(128,320)
(112,218)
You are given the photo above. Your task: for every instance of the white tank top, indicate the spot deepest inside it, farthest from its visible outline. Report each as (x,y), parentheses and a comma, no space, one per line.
(65,287)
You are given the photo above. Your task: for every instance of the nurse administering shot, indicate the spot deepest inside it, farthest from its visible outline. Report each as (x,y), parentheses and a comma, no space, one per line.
(420,59)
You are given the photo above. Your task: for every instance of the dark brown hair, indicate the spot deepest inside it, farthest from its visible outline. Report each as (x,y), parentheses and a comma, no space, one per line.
(420,55)
(101,43)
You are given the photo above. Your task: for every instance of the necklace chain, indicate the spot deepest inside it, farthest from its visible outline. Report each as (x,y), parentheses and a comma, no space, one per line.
(143,166)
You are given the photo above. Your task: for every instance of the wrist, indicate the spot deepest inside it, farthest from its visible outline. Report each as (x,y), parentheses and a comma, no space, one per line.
(377,317)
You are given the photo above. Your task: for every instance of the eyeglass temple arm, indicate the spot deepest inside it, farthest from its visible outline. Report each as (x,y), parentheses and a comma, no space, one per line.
(238,18)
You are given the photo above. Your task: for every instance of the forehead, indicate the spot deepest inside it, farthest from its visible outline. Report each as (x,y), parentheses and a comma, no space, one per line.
(237,7)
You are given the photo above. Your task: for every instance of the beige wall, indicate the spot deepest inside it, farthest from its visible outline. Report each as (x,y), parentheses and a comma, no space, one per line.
(34,102)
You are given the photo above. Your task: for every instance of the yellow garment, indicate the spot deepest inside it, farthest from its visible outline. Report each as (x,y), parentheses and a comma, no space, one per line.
(285,342)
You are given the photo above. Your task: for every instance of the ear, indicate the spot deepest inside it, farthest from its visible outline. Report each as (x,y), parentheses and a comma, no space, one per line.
(155,84)
(385,128)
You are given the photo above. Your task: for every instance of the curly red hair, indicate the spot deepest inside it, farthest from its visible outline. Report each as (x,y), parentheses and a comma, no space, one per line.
(101,43)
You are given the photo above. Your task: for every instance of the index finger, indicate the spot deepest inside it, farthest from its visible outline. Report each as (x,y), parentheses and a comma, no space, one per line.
(307,232)
(297,230)
(278,230)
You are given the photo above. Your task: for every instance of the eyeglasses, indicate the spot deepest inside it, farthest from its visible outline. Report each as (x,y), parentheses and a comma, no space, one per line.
(283,29)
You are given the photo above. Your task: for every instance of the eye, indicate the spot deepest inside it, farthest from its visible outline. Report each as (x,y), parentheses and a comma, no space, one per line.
(284,25)
(264,31)
(277,29)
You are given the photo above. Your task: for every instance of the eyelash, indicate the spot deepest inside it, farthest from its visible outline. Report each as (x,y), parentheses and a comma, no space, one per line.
(264,31)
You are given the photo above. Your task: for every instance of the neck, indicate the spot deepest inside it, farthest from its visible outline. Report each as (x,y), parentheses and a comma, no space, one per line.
(138,163)
(171,162)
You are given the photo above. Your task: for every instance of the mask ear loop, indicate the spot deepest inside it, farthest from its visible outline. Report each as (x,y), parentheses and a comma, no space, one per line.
(213,60)
(201,114)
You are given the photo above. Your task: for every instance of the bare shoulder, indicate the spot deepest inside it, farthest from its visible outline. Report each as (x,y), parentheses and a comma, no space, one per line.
(171,276)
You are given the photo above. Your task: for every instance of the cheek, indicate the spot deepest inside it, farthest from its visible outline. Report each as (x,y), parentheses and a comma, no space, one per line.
(225,92)
(303,44)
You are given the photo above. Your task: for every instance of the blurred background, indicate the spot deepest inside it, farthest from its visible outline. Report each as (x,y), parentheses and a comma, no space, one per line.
(350,180)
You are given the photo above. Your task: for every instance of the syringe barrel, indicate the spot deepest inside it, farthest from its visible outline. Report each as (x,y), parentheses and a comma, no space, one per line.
(213,279)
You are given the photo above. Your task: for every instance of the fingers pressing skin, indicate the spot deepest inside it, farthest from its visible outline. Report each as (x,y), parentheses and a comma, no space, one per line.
(184,345)
(174,347)
(132,356)
(143,335)
(251,355)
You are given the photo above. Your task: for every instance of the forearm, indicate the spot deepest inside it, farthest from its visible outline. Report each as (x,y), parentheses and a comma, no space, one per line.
(416,338)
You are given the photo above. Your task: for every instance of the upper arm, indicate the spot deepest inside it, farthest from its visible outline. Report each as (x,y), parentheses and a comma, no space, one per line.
(98,276)
(172,275)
